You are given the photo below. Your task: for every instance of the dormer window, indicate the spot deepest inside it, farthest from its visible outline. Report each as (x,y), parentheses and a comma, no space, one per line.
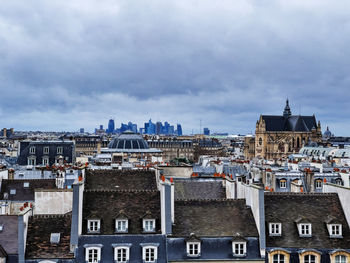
(32,150)
(93,226)
(55,238)
(305,230)
(239,248)
(335,230)
(149,225)
(121,225)
(283,183)
(59,150)
(275,229)
(318,184)
(193,249)
(46,150)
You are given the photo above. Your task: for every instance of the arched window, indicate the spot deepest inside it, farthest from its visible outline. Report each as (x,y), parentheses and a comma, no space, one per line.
(309,258)
(298,142)
(278,258)
(340,259)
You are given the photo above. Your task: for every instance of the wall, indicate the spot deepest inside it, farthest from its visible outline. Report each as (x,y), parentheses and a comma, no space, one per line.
(58,201)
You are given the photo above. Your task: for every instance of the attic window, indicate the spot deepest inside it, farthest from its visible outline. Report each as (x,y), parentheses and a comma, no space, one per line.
(94,226)
(283,183)
(275,229)
(55,238)
(305,230)
(239,248)
(1,228)
(193,249)
(26,184)
(12,191)
(149,225)
(335,230)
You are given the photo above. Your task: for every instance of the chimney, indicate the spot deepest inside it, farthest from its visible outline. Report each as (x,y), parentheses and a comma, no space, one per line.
(23,219)
(77,214)
(166,206)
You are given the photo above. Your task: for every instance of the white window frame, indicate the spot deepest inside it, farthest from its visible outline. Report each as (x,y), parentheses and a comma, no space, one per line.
(333,229)
(144,251)
(46,150)
(275,229)
(117,221)
(32,150)
(237,246)
(93,259)
(145,224)
(46,160)
(318,186)
(279,258)
(116,249)
(190,249)
(91,225)
(283,184)
(305,229)
(338,260)
(59,150)
(31,160)
(309,258)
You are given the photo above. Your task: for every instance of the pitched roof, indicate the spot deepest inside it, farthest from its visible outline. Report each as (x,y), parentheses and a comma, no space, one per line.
(213,218)
(40,228)
(24,193)
(199,189)
(108,204)
(292,123)
(313,208)
(9,234)
(120,180)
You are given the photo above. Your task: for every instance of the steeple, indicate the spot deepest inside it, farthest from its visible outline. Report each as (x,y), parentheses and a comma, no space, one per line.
(287,112)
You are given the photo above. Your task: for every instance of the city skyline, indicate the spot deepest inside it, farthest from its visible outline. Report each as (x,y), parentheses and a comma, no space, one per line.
(66,65)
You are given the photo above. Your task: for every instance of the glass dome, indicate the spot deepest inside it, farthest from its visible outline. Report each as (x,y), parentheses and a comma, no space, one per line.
(128,141)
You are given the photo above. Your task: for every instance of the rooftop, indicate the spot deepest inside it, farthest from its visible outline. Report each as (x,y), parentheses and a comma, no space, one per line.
(199,189)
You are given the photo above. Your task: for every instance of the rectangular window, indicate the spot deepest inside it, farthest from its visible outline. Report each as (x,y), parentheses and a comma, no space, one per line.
(93,255)
(59,150)
(149,225)
(45,160)
(239,248)
(275,229)
(336,230)
(93,226)
(318,184)
(122,254)
(121,225)
(305,230)
(150,254)
(31,161)
(32,150)
(46,150)
(193,248)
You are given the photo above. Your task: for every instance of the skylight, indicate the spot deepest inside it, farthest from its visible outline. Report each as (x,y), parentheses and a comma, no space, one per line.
(55,238)
(26,184)
(12,191)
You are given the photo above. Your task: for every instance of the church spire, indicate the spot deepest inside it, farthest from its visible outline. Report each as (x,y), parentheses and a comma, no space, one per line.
(287,112)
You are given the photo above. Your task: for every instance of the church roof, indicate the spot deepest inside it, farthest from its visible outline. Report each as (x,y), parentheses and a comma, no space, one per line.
(289,122)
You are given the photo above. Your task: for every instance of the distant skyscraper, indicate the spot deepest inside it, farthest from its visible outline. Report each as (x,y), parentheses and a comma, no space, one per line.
(159,127)
(206,131)
(81,130)
(111,126)
(101,127)
(150,127)
(179,129)
(171,130)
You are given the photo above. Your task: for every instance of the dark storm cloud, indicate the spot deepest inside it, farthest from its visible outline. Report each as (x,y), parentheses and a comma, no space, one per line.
(65,65)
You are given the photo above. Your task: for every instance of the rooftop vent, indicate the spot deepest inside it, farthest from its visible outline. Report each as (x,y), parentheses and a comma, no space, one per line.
(26,184)
(55,238)
(6,196)
(12,191)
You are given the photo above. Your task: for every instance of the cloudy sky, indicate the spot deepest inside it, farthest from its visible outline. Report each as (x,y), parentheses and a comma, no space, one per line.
(71,64)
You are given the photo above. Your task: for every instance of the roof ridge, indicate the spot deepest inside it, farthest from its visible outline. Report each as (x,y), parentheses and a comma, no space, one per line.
(121,190)
(52,215)
(209,200)
(292,193)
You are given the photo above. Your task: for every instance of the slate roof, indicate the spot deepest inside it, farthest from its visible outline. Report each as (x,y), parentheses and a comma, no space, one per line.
(120,180)
(9,234)
(213,218)
(108,204)
(199,189)
(39,232)
(295,123)
(315,208)
(24,193)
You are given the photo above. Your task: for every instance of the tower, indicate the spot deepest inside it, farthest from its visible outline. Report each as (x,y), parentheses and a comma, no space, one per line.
(287,112)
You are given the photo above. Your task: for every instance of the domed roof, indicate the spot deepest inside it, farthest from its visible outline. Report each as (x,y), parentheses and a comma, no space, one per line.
(128,141)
